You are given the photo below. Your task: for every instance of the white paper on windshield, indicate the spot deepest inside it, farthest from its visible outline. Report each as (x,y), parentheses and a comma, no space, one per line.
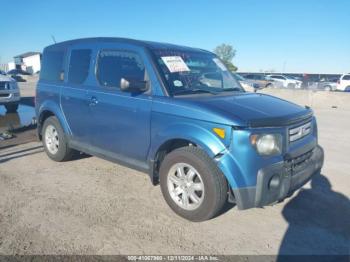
(175,64)
(178,83)
(219,64)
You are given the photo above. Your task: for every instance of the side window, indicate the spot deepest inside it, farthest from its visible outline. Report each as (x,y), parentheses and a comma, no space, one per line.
(79,65)
(52,66)
(113,65)
(346,77)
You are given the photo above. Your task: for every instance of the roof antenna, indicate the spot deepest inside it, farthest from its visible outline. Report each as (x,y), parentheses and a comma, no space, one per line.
(53,38)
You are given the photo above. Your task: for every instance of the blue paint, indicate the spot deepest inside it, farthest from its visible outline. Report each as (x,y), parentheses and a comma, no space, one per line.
(133,127)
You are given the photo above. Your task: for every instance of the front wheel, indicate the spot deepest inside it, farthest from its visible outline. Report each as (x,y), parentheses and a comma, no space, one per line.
(192,184)
(327,88)
(55,142)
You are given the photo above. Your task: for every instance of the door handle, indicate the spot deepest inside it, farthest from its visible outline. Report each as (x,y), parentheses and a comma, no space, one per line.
(93,101)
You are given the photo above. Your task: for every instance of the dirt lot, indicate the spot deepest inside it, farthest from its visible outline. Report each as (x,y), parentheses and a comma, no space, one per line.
(91,206)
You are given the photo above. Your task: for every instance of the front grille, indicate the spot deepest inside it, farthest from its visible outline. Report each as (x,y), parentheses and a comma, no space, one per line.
(3,85)
(298,162)
(296,133)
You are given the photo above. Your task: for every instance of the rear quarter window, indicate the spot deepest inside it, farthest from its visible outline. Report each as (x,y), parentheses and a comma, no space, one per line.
(79,64)
(52,66)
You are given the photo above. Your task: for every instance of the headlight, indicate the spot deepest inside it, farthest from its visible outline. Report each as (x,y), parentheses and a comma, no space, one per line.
(267,144)
(13,85)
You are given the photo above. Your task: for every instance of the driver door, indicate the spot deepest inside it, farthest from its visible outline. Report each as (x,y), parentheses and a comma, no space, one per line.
(121,119)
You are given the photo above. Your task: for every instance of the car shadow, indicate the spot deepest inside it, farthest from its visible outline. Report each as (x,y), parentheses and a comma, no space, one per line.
(319,222)
(34,150)
(227,207)
(20,153)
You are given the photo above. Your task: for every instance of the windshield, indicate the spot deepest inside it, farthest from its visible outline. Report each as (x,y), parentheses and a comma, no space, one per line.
(189,72)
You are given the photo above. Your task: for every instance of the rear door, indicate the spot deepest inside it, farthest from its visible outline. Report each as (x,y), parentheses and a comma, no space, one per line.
(121,119)
(74,96)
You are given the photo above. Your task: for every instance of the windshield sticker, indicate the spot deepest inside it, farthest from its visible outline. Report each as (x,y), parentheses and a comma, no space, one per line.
(175,64)
(219,64)
(178,83)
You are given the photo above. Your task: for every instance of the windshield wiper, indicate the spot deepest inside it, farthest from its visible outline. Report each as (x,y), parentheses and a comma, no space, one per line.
(232,89)
(193,90)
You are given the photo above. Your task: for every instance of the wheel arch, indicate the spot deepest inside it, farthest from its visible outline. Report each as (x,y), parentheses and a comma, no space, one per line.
(172,139)
(47,110)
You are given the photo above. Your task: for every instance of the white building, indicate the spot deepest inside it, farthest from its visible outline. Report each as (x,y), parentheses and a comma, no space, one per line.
(30,62)
(10,66)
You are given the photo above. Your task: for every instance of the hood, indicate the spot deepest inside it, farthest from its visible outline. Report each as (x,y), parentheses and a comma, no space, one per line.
(253,109)
(6,78)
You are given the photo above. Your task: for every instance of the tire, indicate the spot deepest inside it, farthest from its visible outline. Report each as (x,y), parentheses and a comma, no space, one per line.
(327,88)
(214,194)
(56,145)
(12,108)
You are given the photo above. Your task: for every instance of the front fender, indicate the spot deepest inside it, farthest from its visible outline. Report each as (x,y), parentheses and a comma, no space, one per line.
(53,107)
(197,132)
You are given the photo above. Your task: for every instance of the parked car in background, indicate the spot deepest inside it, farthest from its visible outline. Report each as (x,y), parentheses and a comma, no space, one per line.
(248,85)
(17,74)
(327,85)
(284,81)
(260,80)
(2,72)
(9,93)
(344,83)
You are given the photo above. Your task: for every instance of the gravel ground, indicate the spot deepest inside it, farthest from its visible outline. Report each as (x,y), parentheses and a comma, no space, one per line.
(91,206)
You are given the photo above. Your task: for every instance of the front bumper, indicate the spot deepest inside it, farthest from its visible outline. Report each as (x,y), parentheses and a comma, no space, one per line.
(9,97)
(280,180)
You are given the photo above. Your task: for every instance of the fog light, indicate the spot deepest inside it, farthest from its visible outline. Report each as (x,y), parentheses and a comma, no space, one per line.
(274,182)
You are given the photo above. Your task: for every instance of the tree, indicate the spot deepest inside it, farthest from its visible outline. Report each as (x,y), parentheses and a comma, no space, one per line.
(226,54)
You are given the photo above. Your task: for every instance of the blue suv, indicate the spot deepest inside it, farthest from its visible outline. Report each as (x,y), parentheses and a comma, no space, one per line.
(179,115)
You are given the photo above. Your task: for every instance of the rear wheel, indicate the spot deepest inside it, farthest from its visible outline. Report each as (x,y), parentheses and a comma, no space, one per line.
(11,108)
(192,184)
(55,142)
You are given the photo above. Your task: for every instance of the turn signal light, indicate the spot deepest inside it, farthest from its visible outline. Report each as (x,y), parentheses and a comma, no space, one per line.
(220,132)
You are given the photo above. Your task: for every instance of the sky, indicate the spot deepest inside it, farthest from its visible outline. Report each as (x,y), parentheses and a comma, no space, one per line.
(302,36)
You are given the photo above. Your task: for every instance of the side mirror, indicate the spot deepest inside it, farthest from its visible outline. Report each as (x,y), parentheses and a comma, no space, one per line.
(133,86)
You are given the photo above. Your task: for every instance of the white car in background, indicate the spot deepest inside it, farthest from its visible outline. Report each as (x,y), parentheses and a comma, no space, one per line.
(9,93)
(245,83)
(344,83)
(284,81)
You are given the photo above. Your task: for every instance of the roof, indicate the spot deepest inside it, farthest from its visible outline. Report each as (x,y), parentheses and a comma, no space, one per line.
(147,44)
(27,54)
